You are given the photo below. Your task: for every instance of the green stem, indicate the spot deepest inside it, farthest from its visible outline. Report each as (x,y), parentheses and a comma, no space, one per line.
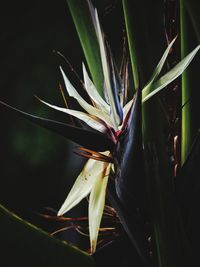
(132,49)
(186,117)
(189,25)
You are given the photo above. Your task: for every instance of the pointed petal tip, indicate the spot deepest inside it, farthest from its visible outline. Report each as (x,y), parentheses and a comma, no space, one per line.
(93,244)
(63,74)
(60,212)
(61,69)
(83,69)
(96,18)
(38,98)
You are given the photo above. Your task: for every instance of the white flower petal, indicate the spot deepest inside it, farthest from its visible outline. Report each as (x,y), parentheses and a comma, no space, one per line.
(127,107)
(93,93)
(115,118)
(91,121)
(96,204)
(87,107)
(83,185)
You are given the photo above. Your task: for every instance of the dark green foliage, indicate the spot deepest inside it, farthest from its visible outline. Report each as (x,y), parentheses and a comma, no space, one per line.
(25,245)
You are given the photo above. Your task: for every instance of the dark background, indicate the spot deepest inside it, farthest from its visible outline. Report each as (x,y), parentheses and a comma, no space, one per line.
(37,167)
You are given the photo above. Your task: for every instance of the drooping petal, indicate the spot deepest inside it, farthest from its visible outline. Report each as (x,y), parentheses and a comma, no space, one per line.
(83,185)
(95,123)
(87,107)
(97,203)
(93,93)
(116,111)
(170,76)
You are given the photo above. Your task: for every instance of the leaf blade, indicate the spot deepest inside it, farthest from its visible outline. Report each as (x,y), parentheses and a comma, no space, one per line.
(170,76)
(161,63)
(21,239)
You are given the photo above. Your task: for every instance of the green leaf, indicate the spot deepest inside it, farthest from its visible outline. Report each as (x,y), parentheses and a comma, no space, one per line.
(89,139)
(83,17)
(160,64)
(170,76)
(23,244)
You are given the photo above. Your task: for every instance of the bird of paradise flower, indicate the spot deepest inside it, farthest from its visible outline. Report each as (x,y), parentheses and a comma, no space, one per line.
(110,117)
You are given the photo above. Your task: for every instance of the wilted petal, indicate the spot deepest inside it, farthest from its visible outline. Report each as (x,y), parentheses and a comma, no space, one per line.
(97,203)
(82,185)
(87,107)
(95,123)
